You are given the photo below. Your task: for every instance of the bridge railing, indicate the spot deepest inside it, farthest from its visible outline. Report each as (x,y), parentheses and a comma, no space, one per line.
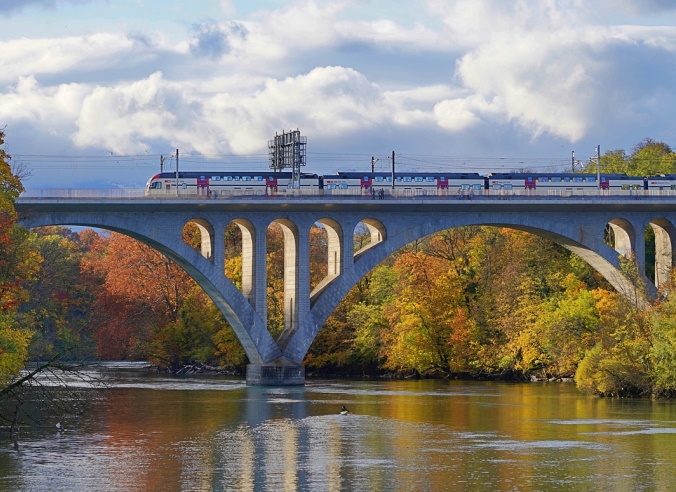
(387,194)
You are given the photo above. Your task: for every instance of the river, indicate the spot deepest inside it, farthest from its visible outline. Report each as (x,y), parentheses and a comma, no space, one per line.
(155,432)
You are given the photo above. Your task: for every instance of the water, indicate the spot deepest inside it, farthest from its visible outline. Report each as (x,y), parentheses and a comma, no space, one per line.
(152,432)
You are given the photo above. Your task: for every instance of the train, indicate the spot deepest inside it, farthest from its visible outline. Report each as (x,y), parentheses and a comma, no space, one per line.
(215,183)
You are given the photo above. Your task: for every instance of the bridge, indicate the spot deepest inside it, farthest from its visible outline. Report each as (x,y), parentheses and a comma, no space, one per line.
(578,223)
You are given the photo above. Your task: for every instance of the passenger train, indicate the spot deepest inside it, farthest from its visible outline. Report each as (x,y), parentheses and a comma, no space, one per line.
(215,183)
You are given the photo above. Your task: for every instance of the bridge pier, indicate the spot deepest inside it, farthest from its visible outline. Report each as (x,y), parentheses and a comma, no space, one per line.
(277,373)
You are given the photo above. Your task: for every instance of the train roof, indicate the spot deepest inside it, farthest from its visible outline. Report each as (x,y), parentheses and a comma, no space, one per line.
(562,175)
(355,175)
(198,174)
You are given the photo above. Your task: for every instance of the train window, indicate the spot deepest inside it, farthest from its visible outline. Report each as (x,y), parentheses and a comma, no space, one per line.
(408,179)
(556,180)
(497,187)
(228,178)
(430,179)
(543,180)
(418,178)
(465,186)
(184,186)
(590,180)
(476,186)
(566,180)
(246,178)
(578,179)
(215,178)
(258,178)
(330,186)
(399,178)
(389,178)
(442,178)
(507,186)
(343,186)
(237,178)
(379,178)
(203,178)
(366,178)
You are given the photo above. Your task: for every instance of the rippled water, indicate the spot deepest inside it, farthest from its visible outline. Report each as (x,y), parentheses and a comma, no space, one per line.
(151,432)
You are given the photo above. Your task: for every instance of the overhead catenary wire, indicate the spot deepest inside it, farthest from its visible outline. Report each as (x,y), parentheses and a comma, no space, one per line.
(349,161)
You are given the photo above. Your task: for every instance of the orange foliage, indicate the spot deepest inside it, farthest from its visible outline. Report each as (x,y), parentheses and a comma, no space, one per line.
(139,289)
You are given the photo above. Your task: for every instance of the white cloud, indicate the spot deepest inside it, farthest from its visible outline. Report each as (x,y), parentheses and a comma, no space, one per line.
(531,69)
(126,118)
(50,107)
(123,118)
(24,57)
(542,61)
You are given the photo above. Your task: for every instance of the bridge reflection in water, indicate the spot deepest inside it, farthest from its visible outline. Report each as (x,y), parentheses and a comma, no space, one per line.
(202,434)
(578,222)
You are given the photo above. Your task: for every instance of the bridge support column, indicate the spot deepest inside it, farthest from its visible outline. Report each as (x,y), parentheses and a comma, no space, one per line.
(277,373)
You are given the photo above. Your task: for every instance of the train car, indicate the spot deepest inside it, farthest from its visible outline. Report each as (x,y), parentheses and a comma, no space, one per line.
(412,182)
(562,182)
(664,182)
(215,183)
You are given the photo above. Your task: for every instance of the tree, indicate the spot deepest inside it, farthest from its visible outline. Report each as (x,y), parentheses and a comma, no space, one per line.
(648,158)
(58,306)
(17,263)
(663,350)
(620,364)
(429,323)
(139,291)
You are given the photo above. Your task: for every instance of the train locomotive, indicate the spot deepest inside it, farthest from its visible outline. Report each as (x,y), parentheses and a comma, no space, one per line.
(219,183)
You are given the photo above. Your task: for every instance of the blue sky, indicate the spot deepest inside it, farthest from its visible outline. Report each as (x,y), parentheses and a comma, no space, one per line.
(92,92)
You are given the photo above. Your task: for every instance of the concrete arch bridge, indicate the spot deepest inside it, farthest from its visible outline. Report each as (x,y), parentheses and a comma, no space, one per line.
(578,224)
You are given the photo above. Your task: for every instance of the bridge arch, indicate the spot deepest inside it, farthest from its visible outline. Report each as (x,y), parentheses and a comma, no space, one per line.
(377,233)
(292,292)
(665,235)
(207,237)
(603,259)
(624,236)
(334,255)
(248,255)
(249,328)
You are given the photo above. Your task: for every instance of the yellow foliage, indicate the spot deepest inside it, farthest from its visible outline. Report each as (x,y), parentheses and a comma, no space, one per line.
(13,352)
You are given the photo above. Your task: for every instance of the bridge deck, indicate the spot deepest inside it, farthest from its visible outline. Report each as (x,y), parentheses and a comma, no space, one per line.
(659,203)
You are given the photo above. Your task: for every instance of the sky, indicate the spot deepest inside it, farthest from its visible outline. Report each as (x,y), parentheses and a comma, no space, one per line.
(93,92)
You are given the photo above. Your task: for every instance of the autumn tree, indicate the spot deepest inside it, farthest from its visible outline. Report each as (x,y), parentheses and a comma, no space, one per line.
(59,303)
(17,263)
(430,327)
(619,363)
(140,291)
(663,349)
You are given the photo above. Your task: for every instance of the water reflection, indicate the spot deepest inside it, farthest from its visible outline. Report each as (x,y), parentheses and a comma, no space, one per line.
(149,432)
